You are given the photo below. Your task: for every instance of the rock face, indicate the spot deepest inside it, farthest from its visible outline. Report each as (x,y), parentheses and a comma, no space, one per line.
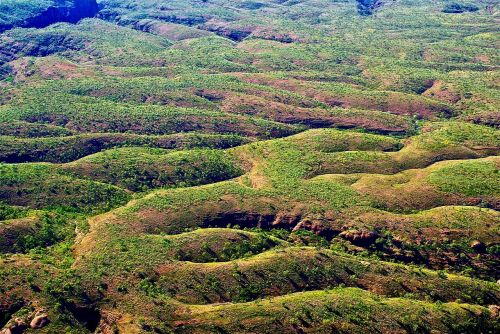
(16,326)
(41,319)
(40,16)
(494,311)
(317,227)
(225,29)
(360,238)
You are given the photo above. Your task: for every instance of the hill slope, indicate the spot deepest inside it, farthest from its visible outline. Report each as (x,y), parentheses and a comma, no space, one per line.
(249,166)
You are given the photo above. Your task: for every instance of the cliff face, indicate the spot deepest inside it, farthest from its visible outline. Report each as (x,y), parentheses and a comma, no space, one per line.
(46,13)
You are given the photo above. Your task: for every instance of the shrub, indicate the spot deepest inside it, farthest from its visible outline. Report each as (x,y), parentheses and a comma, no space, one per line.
(459,8)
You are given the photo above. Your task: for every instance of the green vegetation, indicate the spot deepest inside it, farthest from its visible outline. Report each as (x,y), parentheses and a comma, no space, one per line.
(14,12)
(348,310)
(460,8)
(41,186)
(366,7)
(279,272)
(44,230)
(70,148)
(141,169)
(243,166)
(11,212)
(472,178)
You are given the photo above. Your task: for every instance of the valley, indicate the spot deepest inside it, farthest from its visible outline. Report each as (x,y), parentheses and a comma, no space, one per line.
(270,166)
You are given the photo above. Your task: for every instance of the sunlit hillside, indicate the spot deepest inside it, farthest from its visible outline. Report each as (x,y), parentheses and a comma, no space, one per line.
(249,166)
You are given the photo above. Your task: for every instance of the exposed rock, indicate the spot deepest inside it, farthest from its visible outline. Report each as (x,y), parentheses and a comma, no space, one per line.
(317,227)
(286,220)
(274,35)
(211,95)
(184,20)
(47,43)
(15,326)
(86,315)
(12,234)
(478,246)
(225,29)
(442,91)
(171,31)
(40,320)
(107,324)
(359,238)
(490,118)
(397,241)
(456,8)
(242,219)
(494,311)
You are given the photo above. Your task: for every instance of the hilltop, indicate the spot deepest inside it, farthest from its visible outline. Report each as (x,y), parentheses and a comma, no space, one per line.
(249,166)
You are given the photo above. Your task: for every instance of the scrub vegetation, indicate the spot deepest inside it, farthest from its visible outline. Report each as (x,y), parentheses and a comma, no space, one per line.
(243,166)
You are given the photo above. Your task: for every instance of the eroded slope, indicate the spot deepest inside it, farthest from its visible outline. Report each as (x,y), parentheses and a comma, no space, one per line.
(251,167)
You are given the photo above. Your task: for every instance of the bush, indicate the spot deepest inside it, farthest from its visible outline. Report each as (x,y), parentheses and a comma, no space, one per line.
(366,7)
(459,8)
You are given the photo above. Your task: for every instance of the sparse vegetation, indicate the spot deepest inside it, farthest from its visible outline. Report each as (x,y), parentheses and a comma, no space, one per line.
(246,166)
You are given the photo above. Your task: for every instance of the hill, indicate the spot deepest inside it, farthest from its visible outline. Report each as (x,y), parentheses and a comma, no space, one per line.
(249,166)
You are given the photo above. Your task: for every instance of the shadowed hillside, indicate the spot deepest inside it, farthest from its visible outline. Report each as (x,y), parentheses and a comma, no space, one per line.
(41,13)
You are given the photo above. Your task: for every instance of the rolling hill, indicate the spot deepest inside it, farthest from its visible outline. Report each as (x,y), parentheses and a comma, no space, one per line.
(249,166)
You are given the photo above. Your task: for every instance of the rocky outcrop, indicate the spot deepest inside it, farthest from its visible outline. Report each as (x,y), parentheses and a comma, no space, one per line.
(34,43)
(15,326)
(494,311)
(40,320)
(316,226)
(360,238)
(41,16)
(457,8)
(13,233)
(171,31)
(19,325)
(227,30)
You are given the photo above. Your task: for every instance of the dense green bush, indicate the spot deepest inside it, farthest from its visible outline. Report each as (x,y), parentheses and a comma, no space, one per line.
(366,7)
(460,8)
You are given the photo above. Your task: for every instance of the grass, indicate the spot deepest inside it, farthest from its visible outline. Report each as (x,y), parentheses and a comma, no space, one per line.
(345,310)
(89,114)
(36,232)
(470,181)
(30,130)
(204,245)
(69,148)
(12,212)
(17,11)
(250,167)
(40,186)
(140,169)
(473,178)
(279,272)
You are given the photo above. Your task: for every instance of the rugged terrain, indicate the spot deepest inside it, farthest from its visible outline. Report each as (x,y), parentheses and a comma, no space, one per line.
(270,166)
